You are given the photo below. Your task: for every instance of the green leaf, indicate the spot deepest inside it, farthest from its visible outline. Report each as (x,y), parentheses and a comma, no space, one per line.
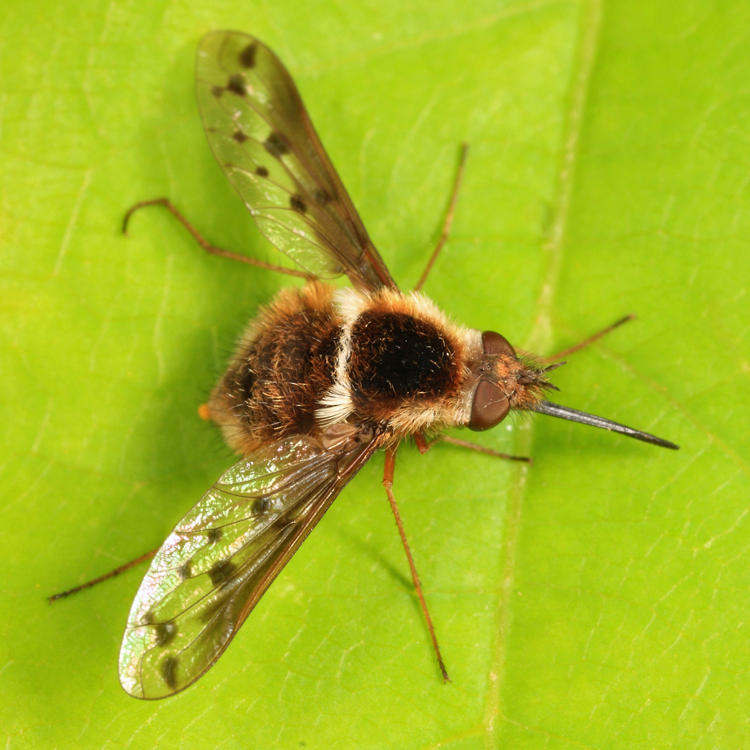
(595,599)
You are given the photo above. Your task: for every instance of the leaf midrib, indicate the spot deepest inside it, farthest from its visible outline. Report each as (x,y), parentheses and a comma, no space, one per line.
(539,339)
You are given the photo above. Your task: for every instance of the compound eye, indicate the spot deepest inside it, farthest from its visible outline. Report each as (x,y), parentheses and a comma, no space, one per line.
(494,343)
(490,405)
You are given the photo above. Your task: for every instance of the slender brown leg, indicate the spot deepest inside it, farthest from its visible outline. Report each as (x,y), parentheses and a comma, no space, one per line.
(423,446)
(207,246)
(390,465)
(111,574)
(590,340)
(448,221)
(471,446)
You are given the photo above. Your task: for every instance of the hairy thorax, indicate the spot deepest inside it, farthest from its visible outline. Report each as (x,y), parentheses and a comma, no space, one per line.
(316,357)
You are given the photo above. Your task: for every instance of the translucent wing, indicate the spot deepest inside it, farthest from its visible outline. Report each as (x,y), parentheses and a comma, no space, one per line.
(262,137)
(222,556)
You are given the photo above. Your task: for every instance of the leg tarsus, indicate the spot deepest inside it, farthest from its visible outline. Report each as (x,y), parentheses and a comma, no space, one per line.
(99,579)
(390,465)
(205,244)
(590,340)
(448,220)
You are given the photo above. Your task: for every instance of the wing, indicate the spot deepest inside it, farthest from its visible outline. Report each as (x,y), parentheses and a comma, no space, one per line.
(261,135)
(222,556)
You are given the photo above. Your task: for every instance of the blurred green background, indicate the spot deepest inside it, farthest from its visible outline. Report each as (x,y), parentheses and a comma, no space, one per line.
(597,599)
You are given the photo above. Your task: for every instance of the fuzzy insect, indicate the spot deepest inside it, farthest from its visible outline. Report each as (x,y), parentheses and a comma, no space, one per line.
(320,380)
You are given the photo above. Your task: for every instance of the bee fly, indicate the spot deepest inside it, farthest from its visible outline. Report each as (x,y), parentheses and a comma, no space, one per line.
(320,380)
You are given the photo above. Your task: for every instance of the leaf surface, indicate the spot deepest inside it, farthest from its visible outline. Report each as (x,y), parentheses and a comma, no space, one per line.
(595,599)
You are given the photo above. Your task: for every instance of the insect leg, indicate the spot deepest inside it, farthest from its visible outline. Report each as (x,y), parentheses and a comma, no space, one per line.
(106,576)
(207,246)
(390,465)
(421,442)
(424,446)
(448,221)
(590,340)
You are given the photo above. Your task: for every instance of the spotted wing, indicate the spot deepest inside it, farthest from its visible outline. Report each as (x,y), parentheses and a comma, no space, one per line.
(262,137)
(222,556)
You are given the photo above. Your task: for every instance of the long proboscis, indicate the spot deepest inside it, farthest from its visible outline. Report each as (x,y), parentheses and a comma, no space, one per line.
(573,415)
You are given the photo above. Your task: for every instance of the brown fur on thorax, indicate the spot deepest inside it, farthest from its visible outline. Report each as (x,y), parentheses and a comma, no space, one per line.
(409,364)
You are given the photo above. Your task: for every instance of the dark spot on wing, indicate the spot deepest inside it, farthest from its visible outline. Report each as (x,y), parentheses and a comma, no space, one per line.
(261,171)
(221,572)
(217,91)
(276,144)
(261,506)
(236,84)
(214,535)
(297,204)
(321,196)
(239,136)
(148,618)
(247,56)
(184,571)
(165,632)
(169,671)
